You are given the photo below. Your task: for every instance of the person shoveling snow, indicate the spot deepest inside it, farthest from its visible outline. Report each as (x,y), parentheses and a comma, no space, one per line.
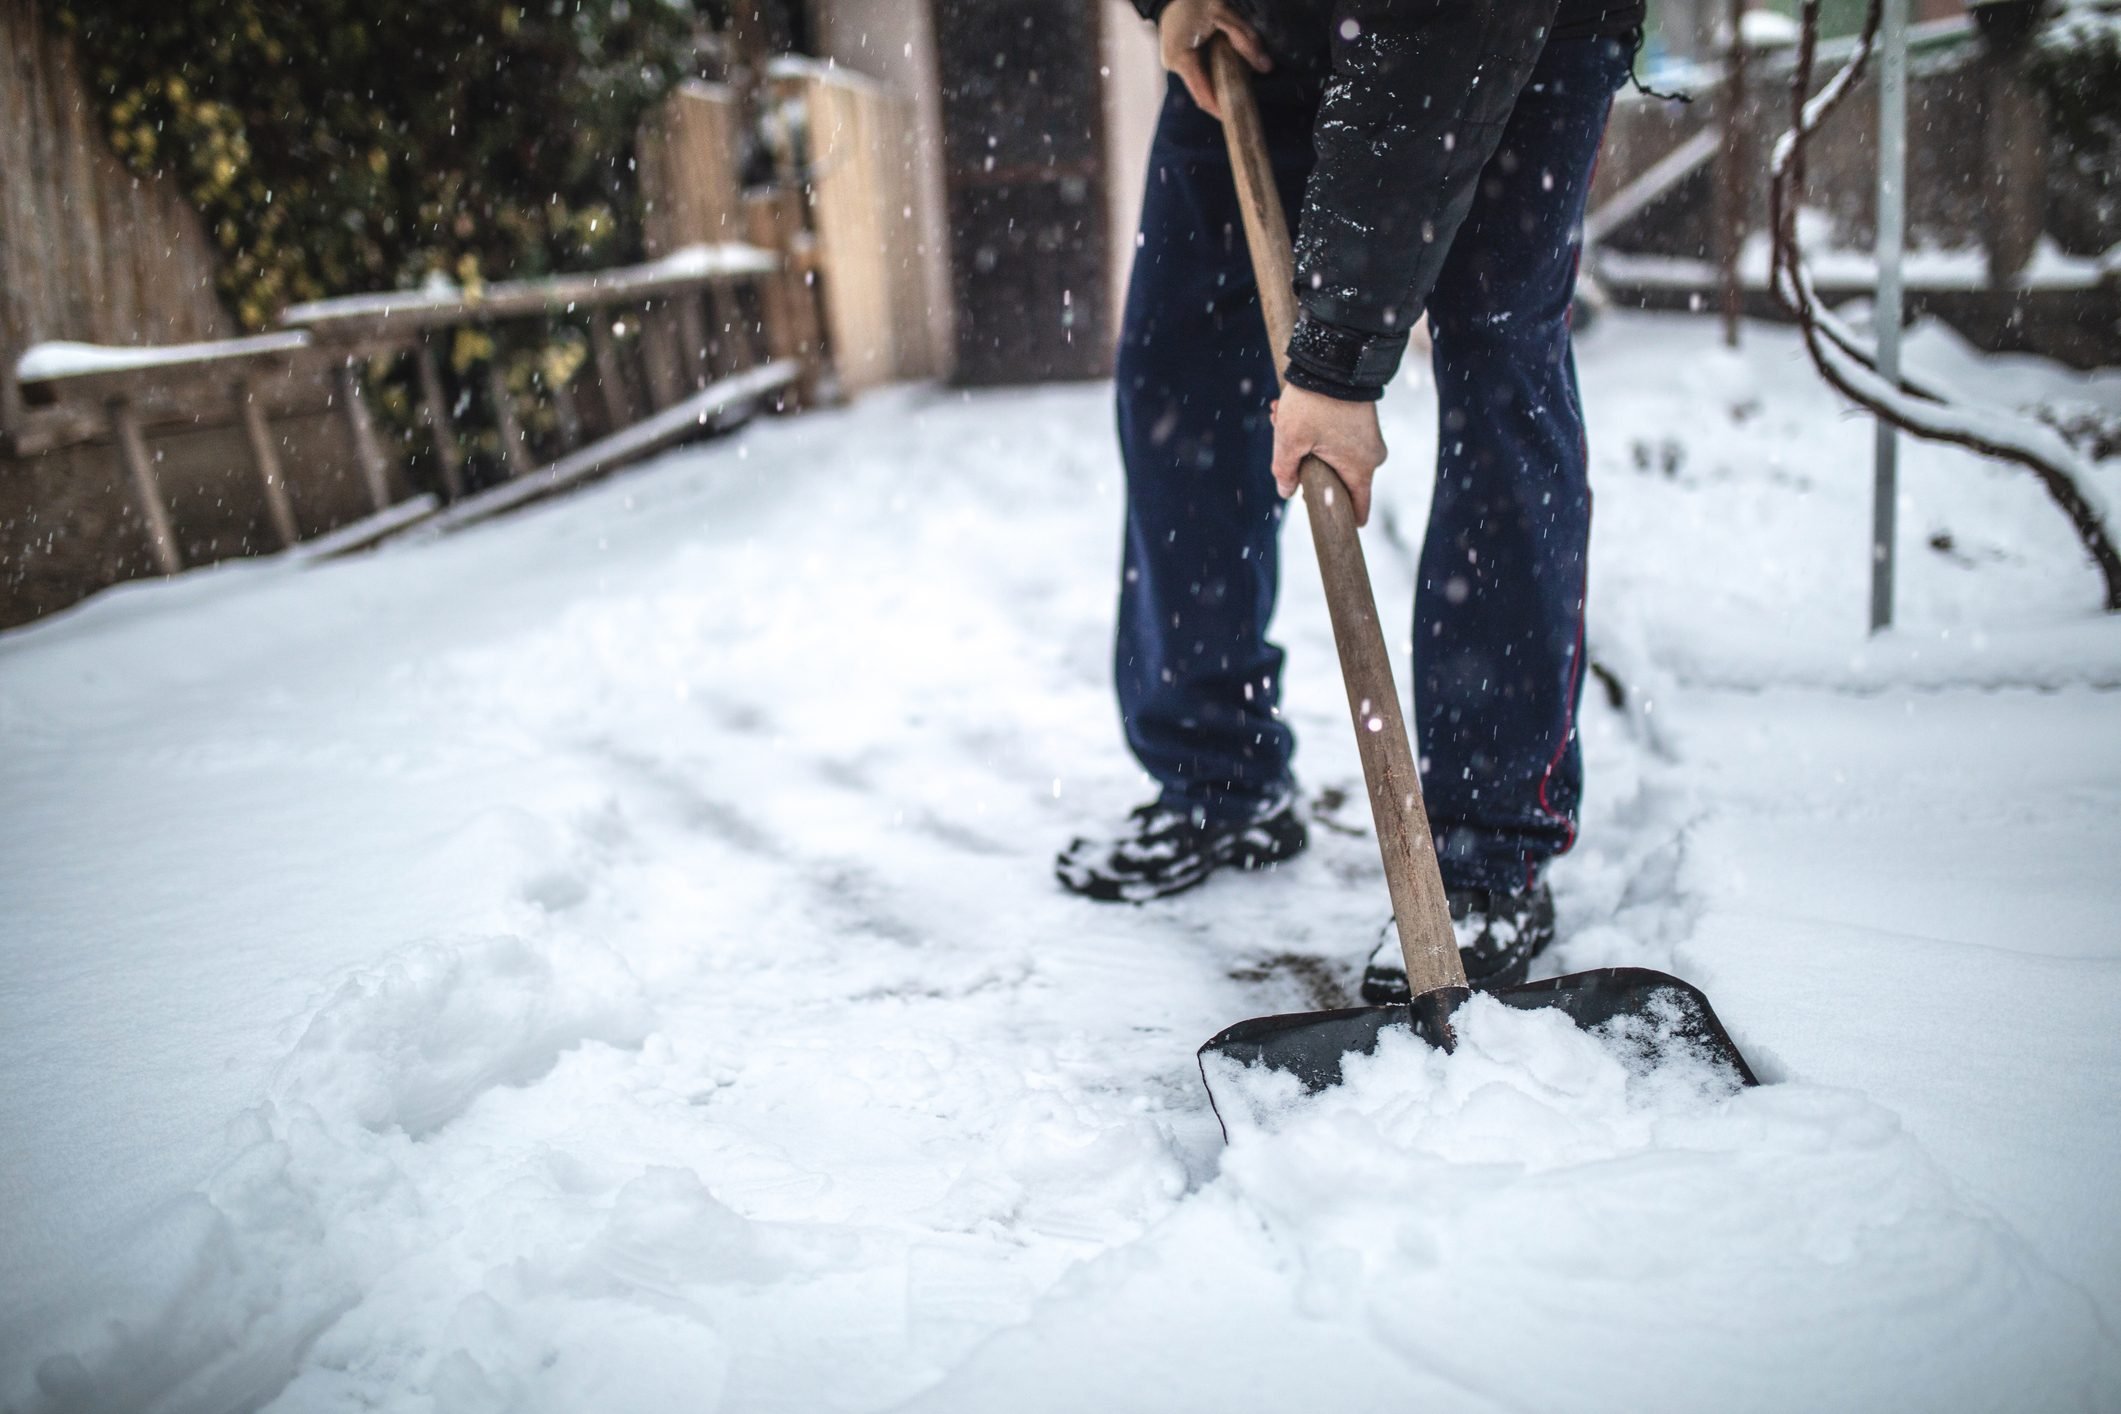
(1498,607)
(1430,190)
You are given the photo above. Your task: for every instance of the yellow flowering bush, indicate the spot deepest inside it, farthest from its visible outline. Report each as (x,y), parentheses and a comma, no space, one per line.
(337,147)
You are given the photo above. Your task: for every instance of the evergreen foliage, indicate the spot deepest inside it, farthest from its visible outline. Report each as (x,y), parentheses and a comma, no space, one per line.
(336,146)
(2076,65)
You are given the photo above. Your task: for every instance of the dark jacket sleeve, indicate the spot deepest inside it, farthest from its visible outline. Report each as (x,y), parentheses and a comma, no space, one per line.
(1414,107)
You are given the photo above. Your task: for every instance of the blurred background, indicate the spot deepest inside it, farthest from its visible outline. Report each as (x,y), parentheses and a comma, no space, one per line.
(207,206)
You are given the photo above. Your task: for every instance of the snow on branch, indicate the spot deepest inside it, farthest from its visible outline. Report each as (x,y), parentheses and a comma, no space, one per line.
(1850,364)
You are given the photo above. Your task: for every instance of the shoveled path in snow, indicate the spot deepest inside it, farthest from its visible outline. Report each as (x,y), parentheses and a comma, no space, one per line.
(608,960)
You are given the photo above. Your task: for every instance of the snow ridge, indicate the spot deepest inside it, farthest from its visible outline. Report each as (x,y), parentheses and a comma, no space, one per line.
(318,1202)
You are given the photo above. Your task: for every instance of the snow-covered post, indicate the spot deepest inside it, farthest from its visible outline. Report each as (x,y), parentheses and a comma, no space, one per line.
(1892,239)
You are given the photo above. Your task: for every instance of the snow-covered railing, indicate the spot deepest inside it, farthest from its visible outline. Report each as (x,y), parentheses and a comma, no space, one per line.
(62,361)
(391,313)
(661,309)
(86,389)
(693,371)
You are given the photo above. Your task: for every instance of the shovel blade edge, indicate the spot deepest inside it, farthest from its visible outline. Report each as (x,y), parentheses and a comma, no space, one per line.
(1311,1045)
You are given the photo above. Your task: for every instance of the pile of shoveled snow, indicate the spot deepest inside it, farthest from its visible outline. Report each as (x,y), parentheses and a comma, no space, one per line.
(1534,1223)
(323,1195)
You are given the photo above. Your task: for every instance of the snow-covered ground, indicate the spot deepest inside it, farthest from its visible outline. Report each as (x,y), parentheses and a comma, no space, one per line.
(607,960)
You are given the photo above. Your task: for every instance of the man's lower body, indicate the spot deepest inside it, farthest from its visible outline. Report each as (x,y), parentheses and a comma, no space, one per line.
(1498,612)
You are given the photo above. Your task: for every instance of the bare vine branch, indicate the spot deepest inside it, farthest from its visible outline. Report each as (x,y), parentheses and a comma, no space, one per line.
(1851,367)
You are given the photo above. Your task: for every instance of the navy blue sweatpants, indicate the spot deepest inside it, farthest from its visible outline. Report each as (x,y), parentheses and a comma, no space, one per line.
(1498,611)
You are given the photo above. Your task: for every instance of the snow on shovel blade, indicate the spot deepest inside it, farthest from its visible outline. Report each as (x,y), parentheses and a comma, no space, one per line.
(1651,1014)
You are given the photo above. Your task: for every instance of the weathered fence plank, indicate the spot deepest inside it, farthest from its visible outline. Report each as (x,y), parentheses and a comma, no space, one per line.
(368,448)
(73,261)
(860,167)
(688,152)
(161,534)
(435,415)
(265,457)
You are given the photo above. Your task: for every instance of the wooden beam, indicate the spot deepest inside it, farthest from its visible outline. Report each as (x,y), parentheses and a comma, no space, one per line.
(187,398)
(505,419)
(793,330)
(869,277)
(711,405)
(399,314)
(132,446)
(61,369)
(662,354)
(368,449)
(2015,147)
(1656,182)
(611,373)
(368,530)
(689,148)
(434,411)
(728,333)
(693,342)
(569,412)
(266,459)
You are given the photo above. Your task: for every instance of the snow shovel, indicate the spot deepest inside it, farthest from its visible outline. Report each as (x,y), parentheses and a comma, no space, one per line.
(1653,1014)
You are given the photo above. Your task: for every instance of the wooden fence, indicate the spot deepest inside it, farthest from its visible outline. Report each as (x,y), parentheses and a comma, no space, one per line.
(154,438)
(87,250)
(662,366)
(841,212)
(690,153)
(90,252)
(858,168)
(665,381)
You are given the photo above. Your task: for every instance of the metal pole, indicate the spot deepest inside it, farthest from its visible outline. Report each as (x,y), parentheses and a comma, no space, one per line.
(1731,196)
(1892,231)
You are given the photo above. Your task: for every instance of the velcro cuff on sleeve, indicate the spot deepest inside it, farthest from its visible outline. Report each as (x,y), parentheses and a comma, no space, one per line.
(1344,357)
(1301,377)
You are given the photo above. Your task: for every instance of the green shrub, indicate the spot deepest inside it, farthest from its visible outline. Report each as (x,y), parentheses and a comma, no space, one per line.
(335,147)
(2076,65)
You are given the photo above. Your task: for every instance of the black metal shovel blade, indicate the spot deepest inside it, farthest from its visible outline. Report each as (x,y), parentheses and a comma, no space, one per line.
(1310,1045)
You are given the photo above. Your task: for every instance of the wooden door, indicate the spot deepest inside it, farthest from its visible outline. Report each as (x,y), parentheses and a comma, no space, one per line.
(1024,162)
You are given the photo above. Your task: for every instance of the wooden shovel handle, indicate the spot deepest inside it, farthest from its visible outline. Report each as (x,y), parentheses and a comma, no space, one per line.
(1424,918)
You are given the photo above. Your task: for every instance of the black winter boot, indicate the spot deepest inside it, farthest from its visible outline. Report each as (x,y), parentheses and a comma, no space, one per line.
(1165,851)
(1498,936)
